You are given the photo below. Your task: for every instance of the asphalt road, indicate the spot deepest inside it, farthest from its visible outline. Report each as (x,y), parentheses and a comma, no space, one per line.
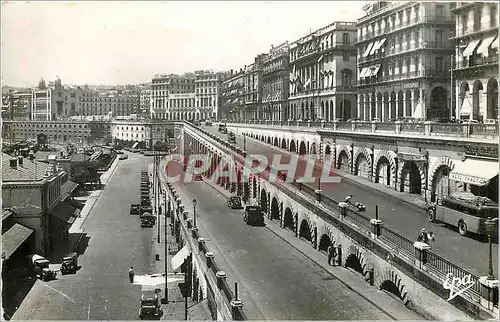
(100,290)
(276,282)
(406,219)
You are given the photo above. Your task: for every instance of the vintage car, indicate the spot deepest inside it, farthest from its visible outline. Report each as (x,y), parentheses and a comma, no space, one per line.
(150,304)
(42,268)
(231,138)
(234,202)
(123,157)
(69,263)
(147,220)
(253,216)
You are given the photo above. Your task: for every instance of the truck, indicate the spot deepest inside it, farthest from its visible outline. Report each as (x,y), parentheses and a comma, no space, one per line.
(253,216)
(42,269)
(150,303)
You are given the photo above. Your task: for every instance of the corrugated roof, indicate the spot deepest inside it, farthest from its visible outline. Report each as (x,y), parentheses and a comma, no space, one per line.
(6,214)
(65,212)
(13,238)
(67,188)
(29,171)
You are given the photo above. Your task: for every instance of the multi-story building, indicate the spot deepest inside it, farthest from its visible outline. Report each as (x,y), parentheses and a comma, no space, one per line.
(404,59)
(207,87)
(232,91)
(66,100)
(144,100)
(275,83)
(475,71)
(173,96)
(322,70)
(53,131)
(159,96)
(115,102)
(16,104)
(41,103)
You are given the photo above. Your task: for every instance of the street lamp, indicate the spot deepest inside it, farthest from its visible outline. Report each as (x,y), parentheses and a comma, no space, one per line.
(490,223)
(244,142)
(194,211)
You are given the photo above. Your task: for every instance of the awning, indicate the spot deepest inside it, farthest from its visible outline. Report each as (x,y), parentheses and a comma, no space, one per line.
(67,189)
(362,73)
(495,43)
(373,70)
(466,108)
(13,238)
(65,212)
(474,171)
(483,48)
(470,48)
(135,145)
(179,258)
(368,49)
(377,46)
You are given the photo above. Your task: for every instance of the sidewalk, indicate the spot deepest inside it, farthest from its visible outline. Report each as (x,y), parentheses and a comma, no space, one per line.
(351,280)
(415,201)
(175,309)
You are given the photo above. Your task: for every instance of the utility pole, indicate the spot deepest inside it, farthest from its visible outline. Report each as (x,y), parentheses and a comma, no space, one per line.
(166,247)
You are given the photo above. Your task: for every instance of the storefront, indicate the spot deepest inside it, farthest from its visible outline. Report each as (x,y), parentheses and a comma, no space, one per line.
(478,176)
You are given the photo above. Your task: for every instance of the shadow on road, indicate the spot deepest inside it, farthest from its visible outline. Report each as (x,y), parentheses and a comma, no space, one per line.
(16,284)
(83,244)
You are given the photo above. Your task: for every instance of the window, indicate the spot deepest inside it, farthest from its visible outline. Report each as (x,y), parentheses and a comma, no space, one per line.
(345,56)
(417,62)
(464,24)
(417,37)
(439,64)
(439,11)
(345,38)
(493,15)
(439,37)
(477,20)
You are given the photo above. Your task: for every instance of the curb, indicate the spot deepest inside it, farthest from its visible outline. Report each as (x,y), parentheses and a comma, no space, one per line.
(313,260)
(340,175)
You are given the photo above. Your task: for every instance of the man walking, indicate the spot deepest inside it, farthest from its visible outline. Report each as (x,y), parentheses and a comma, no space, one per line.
(332,253)
(131,274)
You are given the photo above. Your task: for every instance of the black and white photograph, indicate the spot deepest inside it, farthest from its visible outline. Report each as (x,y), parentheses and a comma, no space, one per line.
(249,160)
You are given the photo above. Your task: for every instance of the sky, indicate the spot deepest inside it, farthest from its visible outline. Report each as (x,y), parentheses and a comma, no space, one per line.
(114,42)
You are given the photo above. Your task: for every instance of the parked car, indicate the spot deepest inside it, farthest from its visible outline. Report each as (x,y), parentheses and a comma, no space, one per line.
(234,202)
(123,157)
(69,263)
(253,216)
(135,209)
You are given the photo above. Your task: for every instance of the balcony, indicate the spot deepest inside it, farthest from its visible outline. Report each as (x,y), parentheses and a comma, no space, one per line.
(325,91)
(421,129)
(480,62)
(430,73)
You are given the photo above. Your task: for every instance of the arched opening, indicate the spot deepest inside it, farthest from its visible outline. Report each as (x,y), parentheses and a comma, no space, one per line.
(305,230)
(268,140)
(302,148)
(391,288)
(328,150)
(324,242)
(410,178)
(477,90)
(492,99)
(441,182)
(438,107)
(263,200)
(283,143)
(276,142)
(383,171)
(313,148)
(400,104)
(343,161)
(464,100)
(323,115)
(288,219)
(353,262)
(408,104)
(293,147)
(362,167)
(275,209)
(393,107)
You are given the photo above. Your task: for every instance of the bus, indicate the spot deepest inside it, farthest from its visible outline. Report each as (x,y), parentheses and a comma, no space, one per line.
(466,216)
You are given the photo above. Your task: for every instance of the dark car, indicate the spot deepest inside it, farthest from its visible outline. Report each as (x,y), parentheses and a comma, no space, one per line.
(234,203)
(231,138)
(135,209)
(69,263)
(253,216)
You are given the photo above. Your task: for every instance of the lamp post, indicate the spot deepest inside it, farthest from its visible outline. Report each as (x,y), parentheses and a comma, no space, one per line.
(490,223)
(244,142)
(194,211)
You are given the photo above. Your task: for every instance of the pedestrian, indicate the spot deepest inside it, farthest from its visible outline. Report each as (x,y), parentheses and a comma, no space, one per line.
(348,199)
(131,274)
(423,237)
(332,254)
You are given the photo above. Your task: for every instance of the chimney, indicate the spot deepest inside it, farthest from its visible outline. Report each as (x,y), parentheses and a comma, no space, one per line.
(13,163)
(20,161)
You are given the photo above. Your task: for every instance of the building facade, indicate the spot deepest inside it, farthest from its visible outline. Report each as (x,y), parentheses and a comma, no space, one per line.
(322,74)
(207,88)
(232,91)
(275,83)
(16,104)
(41,103)
(404,59)
(144,100)
(110,103)
(66,100)
(53,131)
(475,71)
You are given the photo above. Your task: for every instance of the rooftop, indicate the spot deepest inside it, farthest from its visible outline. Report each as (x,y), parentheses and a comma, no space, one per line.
(28,171)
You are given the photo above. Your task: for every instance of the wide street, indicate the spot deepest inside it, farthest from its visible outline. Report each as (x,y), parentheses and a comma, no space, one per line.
(406,219)
(100,290)
(275,280)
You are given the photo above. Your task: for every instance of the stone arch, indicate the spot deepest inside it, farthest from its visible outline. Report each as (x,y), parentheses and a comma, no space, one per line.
(392,164)
(343,155)
(288,221)
(327,238)
(302,148)
(358,159)
(305,230)
(400,105)
(356,260)
(439,105)
(269,140)
(293,146)
(492,99)
(275,209)
(283,143)
(406,169)
(313,148)
(328,150)
(392,283)
(263,200)
(476,99)
(393,108)
(276,142)
(445,163)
